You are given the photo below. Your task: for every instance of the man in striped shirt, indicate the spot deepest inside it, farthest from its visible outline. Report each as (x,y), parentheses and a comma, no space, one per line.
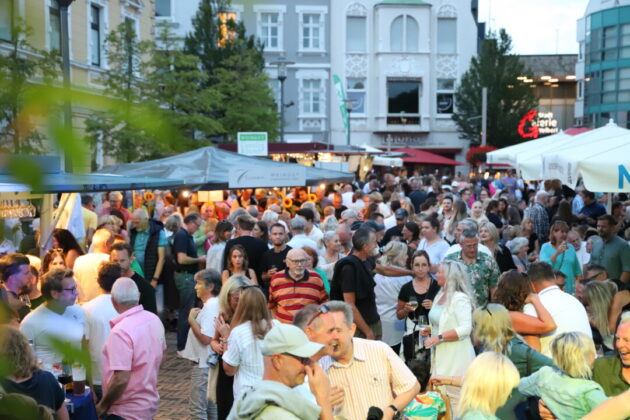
(295,287)
(368,371)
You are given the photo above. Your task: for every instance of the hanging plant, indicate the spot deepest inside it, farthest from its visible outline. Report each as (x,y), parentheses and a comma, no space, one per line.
(477,155)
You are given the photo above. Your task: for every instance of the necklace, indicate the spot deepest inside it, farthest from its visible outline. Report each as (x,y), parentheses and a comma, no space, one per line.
(422,285)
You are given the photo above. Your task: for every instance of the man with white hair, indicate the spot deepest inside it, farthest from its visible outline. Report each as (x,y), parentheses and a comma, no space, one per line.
(115,203)
(131,358)
(538,213)
(148,241)
(86,266)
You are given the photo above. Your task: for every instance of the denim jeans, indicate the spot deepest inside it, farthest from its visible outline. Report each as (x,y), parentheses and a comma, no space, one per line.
(159,300)
(200,407)
(185,284)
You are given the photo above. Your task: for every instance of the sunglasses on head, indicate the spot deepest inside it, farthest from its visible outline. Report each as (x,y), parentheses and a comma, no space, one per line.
(322,310)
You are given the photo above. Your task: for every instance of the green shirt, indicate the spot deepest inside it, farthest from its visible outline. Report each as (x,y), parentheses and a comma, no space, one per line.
(483,272)
(613,254)
(477,415)
(607,373)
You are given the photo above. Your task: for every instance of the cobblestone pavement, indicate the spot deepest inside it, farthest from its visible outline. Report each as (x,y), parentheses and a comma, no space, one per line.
(173,384)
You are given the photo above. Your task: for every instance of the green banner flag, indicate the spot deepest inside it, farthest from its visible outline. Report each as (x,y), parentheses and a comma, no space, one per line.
(341,95)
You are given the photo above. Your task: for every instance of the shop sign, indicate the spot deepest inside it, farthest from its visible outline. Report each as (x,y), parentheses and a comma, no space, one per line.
(536,124)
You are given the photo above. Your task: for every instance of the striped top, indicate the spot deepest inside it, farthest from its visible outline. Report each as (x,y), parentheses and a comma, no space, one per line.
(287,296)
(373,377)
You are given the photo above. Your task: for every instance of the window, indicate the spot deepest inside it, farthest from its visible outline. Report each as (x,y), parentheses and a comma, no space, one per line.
(356,34)
(226,29)
(445,96)
(581,51)
(311,32)
(403,100)
(163,8)
(355,89)
(404,34)
(580,90)
(270,30)
(625,34)
(311,94)
(54,31)
(447,36)
(6,19)
(610,37)
(95,35)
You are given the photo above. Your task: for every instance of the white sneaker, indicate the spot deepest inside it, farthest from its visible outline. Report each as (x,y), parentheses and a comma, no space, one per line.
(180,354)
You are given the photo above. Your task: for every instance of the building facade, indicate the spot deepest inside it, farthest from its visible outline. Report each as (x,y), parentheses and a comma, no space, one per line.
(603,66)
(398,62)
(89,23)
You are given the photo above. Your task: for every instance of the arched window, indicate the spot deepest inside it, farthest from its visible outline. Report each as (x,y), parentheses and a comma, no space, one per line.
(403,35)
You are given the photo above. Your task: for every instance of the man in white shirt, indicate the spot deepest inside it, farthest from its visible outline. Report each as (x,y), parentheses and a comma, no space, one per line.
(312,232)
(98,312)
(86,266)
(59,318)
(567,312)
(299,239)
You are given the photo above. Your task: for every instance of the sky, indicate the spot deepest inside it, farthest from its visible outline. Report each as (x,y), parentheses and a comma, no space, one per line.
(536,26)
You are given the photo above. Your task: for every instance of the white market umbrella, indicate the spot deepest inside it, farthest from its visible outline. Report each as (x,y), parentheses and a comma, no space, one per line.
(604,166)
(530,163)
(508,155)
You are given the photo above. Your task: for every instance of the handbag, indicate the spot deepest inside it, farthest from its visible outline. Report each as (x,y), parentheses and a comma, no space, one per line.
(448,415)
(213,377)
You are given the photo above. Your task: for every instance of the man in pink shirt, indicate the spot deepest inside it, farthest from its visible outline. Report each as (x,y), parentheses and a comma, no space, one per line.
(131,358)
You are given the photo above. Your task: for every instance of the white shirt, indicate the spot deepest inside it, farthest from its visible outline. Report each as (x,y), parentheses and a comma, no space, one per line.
(389,222)
(316,236)
(98,312)
(245,352)
(194,350)
(214,257)
(436,250)
(42,324)
(86,272)
(386,291)
(346,198)
(567,312)
(298,241)
(457,247)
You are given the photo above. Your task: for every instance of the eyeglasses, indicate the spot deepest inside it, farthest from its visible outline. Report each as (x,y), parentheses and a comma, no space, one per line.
(322,310)
(71,289)
(298,262)
(303,360)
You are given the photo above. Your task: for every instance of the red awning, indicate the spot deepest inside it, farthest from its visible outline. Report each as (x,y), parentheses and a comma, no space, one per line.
(428,158)
(576,130)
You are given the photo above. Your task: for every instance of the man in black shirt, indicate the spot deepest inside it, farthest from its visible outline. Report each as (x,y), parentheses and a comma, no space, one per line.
(353,283)
(187,265)
(122,254)
(337,203)
(396,231)
(254,247)
(273,260)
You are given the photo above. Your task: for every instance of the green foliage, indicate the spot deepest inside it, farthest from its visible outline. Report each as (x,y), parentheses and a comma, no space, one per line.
(234,65)
(508,98)
(22,66)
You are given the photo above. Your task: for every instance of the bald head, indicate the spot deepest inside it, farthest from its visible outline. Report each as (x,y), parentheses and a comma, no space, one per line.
(102,240)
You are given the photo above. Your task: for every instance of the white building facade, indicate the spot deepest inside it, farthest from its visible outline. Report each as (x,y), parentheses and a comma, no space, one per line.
(401,61)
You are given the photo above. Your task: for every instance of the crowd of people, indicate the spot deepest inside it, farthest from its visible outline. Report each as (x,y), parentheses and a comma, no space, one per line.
(417,297)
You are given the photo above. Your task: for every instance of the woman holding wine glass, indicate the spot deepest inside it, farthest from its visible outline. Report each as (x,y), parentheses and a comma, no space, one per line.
(416,299)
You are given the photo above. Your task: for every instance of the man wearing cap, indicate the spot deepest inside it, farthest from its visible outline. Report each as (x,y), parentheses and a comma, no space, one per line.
(287,355)
(396,231)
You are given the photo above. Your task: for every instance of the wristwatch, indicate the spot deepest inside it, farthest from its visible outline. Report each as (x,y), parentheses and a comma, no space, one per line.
(155,278)
(396,412)
(440,338)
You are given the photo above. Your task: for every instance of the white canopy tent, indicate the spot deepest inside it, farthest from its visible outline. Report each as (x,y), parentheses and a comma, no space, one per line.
(604,165)
(509,155)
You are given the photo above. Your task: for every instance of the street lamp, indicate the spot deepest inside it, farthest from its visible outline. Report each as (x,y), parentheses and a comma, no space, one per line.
(349,108)
(65,57)
(282,64)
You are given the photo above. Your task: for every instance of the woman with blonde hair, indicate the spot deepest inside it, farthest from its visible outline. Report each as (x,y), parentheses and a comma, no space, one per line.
(477,212)
(561,255)
(527,231)
(243,358)
(487,384)
(332,245)
(387,289)
(460,212)
(22,376)
(329,224)
(489,236)
(568,392)
(450,318)
(228,303)
(598,297)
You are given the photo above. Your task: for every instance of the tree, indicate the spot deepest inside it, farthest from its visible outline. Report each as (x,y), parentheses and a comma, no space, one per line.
(508,97)
(234,65)
(175,84)
(119,127)
(19,69)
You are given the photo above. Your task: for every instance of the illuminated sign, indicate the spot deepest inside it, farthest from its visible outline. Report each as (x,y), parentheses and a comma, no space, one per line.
(535,124)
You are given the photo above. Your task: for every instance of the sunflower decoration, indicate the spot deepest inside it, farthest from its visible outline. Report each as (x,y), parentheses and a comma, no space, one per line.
(149,196)
(312,198)
(287,203)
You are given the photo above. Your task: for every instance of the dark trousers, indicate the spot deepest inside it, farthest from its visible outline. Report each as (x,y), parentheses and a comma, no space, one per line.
(112,417)
(185,283)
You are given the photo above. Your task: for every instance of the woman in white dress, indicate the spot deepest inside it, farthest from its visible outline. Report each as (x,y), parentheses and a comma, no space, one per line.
(451,324)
